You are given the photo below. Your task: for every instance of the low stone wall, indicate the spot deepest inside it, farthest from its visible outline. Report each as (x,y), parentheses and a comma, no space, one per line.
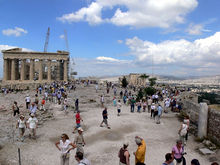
(214,126)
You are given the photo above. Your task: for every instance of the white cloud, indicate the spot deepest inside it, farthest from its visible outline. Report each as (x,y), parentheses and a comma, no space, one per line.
(196,29)
(201,53)
(120,41)
(14,32)
(62,36)
(139,13)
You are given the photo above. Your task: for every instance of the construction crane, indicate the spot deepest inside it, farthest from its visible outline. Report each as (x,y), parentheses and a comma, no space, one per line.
(47,40)
(65,36)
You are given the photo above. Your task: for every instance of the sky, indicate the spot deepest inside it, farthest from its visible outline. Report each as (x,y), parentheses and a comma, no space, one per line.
(117,37)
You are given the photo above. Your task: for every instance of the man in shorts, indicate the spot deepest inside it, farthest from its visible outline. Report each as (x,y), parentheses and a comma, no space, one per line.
(32,125)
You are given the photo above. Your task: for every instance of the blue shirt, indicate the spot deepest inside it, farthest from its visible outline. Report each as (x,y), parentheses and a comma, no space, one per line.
(159,109)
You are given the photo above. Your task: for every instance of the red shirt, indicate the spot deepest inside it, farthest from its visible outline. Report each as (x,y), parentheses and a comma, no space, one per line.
(43,102)
(77,118)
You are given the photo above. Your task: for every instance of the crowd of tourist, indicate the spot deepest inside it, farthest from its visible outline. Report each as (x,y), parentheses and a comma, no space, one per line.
(163,101)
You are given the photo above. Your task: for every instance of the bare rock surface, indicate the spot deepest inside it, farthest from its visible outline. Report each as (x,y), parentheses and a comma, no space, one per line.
(102,144)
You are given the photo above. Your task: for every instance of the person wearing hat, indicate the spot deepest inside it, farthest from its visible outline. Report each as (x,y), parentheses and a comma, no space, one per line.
(32,125)
(140,152)
(79,141)
(124,155)
(21,124)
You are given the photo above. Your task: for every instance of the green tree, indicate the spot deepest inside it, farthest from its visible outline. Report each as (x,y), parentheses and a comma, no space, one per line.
(149,91)
(124,82)
(152,81)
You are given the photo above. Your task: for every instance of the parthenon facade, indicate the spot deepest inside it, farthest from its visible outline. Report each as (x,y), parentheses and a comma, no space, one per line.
(31,67)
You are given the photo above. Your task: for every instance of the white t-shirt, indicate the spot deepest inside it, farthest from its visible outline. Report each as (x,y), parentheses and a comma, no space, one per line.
(118,105)
(21,123)
(32,122)
(167,103)
(84,162)
(64,146)
(153,107)
(28,99)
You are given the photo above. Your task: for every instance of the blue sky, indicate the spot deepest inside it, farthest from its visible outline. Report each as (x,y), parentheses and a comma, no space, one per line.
(114,37)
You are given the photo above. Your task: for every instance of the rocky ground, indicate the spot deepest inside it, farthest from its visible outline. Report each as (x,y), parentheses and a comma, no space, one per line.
(102,144)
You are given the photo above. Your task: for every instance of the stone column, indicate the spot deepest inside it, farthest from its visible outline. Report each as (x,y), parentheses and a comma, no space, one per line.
(40,70)
(13,69)
(31,73)
(5,69)
(203,120)
(49,70)
(58,70)
(65,74)
(22,69)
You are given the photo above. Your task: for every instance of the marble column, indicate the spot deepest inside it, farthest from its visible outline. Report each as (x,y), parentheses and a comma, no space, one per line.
(13,69)
(5,69)
(49,70)
(65,71)
(40,70)
(31,69)
(22,69)
(58,70)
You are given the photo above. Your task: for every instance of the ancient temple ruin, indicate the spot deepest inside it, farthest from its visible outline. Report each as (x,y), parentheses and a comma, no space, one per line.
(34,67)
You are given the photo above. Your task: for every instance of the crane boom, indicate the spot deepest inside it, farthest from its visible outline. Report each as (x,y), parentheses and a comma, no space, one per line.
(47,40)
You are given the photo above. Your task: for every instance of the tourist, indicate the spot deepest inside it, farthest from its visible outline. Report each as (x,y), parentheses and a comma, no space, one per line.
(65,104)
(155,113)
(115,91)
(124,99)
(114,102)
(138,106)
(28,101)
(132,102)
(119,107)
(183,131)
(79,141)
(15,108)
(32,125)
(124,155)
(195,162)
(167,105)
(59,97)
(153,107)
(102,100)
(144,105)
(21,124)
(76,105)
(36,100)
(178,152)
(140,152)
(33,108)
(105,118)
(187,121)
(81,160)
(96,88)
(43,104)
(149,103)
(65,146)
(159,110)
(78,121)
(169,159)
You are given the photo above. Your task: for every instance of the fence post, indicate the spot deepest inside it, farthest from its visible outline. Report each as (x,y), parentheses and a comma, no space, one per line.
(19,156)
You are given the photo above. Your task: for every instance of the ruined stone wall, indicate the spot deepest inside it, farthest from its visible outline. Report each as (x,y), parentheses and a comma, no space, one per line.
(214,126)
(192,109)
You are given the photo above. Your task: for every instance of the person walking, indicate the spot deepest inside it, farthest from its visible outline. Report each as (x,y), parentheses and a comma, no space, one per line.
(76,105)
(153,107)
(105,118)
(32,125)
(65,146)
(183,131)
(159,113)
(124,155)
(15,108)
(28,101)
(79,141)
(78,121)
(119,107)
(178,152)
(149,103)
(132,102)
(21,125)
(140,152)
(81,160)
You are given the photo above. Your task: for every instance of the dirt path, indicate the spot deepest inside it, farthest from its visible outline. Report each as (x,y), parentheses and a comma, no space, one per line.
(102,144)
